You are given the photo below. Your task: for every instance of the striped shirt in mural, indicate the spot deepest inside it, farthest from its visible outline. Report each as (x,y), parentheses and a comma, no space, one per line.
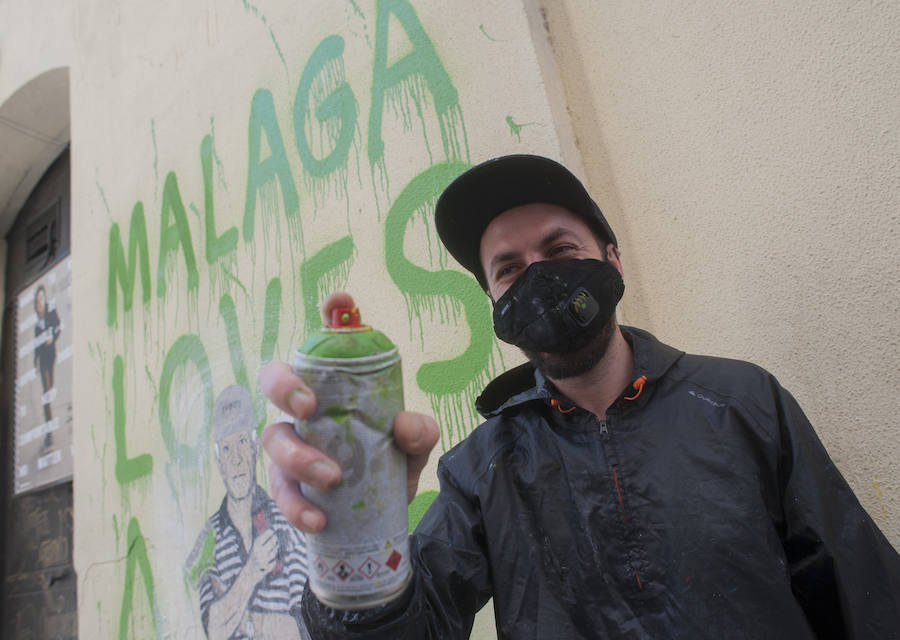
(280,591)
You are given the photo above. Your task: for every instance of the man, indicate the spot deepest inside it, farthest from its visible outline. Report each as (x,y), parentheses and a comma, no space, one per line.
(618,487)
(249,563)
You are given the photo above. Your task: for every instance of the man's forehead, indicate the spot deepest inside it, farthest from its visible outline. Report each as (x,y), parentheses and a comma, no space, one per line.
(237,436)
(539,222)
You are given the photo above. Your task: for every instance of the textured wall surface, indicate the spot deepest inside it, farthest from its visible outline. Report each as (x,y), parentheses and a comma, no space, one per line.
(747,156)
(235,161)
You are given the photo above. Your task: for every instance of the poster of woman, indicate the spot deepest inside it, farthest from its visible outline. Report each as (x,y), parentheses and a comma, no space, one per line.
(43,405)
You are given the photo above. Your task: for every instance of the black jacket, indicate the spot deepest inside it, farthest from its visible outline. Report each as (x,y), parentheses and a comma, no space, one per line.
(703,507)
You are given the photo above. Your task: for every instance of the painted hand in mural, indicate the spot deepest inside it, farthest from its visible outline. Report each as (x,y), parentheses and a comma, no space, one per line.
(263,554)
(293,461)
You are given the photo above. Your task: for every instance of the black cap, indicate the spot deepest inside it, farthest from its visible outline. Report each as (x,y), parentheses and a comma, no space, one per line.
(476,197)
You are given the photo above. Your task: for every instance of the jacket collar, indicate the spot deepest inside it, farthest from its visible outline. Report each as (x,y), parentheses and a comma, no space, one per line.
(525,384)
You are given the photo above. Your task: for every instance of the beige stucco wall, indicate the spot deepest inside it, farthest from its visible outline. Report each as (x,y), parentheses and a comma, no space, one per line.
(743,155)
(747,156)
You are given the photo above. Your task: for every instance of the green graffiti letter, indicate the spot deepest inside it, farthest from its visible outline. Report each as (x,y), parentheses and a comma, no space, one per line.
(174,234)
(127,469)
(261,172)
(423,59)
(187,348)
(337,255)
(271,321)
(137,557)
(124,269)
(340,104)
(450,376)
(216,246)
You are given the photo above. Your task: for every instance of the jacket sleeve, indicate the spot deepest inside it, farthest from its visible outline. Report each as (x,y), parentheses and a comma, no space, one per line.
(450,582)
(844,572)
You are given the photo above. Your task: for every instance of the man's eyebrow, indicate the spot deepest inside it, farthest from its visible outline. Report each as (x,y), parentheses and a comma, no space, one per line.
(546,241)
(555,235)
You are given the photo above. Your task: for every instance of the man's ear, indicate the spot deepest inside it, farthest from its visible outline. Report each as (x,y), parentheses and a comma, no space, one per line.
(613,257)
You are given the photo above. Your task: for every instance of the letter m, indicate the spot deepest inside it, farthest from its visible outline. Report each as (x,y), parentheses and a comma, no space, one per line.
(122,266)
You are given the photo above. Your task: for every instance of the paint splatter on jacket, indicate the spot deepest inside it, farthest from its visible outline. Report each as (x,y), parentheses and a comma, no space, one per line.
(703,507)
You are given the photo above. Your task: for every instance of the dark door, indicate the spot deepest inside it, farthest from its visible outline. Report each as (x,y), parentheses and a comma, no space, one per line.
(38,599)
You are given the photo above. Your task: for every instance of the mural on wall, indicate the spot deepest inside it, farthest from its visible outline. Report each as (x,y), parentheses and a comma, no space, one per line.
(43,392)
(198,297)
(249,563)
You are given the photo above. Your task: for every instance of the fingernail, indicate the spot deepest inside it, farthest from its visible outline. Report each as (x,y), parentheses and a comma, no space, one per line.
(324,473)
(298,401)
(420,431)
(310,520)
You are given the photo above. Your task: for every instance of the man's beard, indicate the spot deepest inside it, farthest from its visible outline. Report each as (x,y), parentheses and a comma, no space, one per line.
(559,366)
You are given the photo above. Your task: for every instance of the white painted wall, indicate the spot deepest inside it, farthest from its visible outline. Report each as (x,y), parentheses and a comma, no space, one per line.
(747,156)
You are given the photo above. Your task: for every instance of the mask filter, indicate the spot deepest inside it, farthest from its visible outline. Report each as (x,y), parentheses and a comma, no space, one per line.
(558,306)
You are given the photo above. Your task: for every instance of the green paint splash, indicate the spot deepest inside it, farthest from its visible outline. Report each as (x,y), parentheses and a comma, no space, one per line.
(487,35)
(516,129)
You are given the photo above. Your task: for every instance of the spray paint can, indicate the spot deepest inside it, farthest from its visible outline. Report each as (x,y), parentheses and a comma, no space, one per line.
(361,558)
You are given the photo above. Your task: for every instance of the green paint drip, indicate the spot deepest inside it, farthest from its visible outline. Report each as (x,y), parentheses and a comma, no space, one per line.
(262,175)
(405,82)
(257,14)
(452,385)
(233,336)
(188,349)
(105,203)
(271,320)
(174,236)
(152,384)
(155,156)
(220,250)
(481,28)
(123,269)
(357,10)
(324,147)
(359,505)
(419,506)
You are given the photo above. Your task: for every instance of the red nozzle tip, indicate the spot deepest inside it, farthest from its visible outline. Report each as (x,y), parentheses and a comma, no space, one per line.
(345,317)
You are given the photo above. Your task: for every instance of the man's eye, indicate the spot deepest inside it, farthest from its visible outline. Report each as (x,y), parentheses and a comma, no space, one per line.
(505,271)
(560,249)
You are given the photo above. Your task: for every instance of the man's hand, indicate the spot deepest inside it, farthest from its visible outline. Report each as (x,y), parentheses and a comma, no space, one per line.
(293,461)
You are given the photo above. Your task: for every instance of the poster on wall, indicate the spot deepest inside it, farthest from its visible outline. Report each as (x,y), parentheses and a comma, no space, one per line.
(43,395)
